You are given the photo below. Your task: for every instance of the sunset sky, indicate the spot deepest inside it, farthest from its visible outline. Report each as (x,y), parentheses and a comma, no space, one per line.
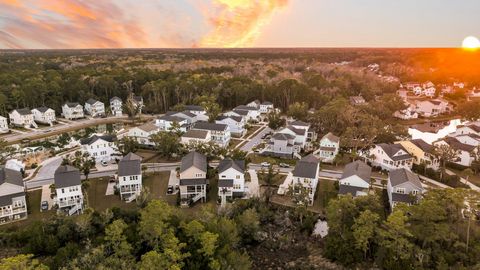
(236,23)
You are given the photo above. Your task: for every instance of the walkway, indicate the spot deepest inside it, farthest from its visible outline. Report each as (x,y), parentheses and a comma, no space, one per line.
(253,186)
(463,180)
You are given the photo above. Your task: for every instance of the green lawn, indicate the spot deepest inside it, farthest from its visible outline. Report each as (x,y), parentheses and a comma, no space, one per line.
(157,183)
(279,179)
(234,142)
(325,192)
(251,131)
(254,158)
(99,201)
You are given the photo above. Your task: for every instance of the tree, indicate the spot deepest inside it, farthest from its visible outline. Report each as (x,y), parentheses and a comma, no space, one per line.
(167,143)
(21,262)
(298,111)
(300,195)
(469,110)
(248,225)
(446,154)
(115,241)
(364,230)
(127,145)
(268,180)
(131,107)
(275,120)
(211,106)
(83,162)
(6,151)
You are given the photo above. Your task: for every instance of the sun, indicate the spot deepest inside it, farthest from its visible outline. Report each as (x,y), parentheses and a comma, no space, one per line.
(471,43)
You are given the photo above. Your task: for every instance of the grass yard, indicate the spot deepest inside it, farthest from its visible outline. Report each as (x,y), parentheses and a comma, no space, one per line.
(474,179)
(326,191)
(99,201)
(234,143)
(251,130)
(257,159)
(157,183)
(278,180)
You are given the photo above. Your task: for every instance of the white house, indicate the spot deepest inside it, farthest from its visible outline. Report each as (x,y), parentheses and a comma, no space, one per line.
(219,133)
(305,174)
(390,157)
(235,123)
(22,118)
(142,134)
(282,145)
(68,186)
(130,177)
(470,139)
(195,109)
(4,125)
(196,136)
(429,91)
(72,111)
(417,90)
(465,153)
(252,113)
(188,116)
(193,178)
(471,128)
(329,148)
(44,115)
(116,106)
(95,108)
(355,179)
(266,107)
(474,93)
(256,103)
(166,122)
(13,205)
(231,178)
(403,187)
(311,134)
(100,147)
(408,113)
(429,108)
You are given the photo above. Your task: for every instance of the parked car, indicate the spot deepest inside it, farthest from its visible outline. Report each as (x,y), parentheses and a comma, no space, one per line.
(284,165)
(44,206)
(170,189)
(104,163)
(265,164)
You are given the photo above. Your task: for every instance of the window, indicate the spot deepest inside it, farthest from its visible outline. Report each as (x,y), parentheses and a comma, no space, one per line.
(63,190)
(238,176)
(400,190)
(415,192)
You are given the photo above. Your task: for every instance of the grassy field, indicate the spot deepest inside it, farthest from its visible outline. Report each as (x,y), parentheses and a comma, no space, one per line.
(234,143)
(325,192)
(272,160)
(279,179)
(251,131)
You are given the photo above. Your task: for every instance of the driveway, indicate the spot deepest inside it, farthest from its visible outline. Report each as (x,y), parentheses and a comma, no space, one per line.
(256,140)
(253,186)
(48,168)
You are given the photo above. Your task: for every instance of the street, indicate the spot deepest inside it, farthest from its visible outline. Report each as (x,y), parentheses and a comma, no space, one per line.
(256,140)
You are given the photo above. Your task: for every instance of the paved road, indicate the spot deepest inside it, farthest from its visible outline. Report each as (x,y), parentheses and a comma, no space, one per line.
(48,168)
(256,140)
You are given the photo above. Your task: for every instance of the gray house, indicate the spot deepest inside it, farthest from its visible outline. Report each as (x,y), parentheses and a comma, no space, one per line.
(355,179)
(193,178)
(13,205)
(403,187)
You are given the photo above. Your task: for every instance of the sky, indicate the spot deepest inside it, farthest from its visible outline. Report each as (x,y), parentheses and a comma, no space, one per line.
(58,24)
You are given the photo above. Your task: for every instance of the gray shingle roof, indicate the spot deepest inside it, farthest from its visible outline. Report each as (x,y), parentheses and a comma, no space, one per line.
(299,123)
(345,189)
(94,138)
(225,183)
(245,108)
(148,127)
(457,145)
(23,111)
(400,176)
(267,103)
(10,176)
(115,98)
(91,101)
(194,159)
(42,109)
(240,112)
(359,168)
(194,108)
(428,148)
(283,136)
(130,165)
(331,137)
(195,181)
(392,149)
(196,133)
(67,176)
(210,126)
(171,118)
(7,199)
(307,167)
(298,131)
(226,164)
(405,198)
(233,117)
(72,104)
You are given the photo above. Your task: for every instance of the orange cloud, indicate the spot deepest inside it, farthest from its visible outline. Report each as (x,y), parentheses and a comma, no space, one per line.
(238,23)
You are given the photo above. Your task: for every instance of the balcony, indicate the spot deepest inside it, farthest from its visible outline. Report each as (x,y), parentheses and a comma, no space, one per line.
(18,210)
(67,203)
(129,189)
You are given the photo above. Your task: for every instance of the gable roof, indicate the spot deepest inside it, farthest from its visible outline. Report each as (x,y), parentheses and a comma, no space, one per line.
(91,101)
(348,189)
(67,176)
(226,164)
(23,111)
(298,131)
(358,168)
(307,167)
(457,145)
(245,108)
(283,136)
(400,176)
(210,126)
(130,165)
(299,123)
(94,138)
(194,159)
(266,103)
(10,176)
(331,137)
(240,112)
(194,108)
(148,127)
(233,117)
(115,98)
(72,104)
(196,133)
(428,148)
(392,149)
(42,109)
(171,118)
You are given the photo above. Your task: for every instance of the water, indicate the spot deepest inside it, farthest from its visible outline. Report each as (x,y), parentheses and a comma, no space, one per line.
(430,137)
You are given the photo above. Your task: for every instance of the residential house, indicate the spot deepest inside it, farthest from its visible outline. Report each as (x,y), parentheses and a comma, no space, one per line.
(422,153)
(22,118)
(403,187)
(390,157)
(44,115)
(251,113)
(235,123)
(95,108)
(417,90)
(4,125)
(305,174)
(255,104)
(311,134)
(411,85)
(465,152)
(193,178)
(471,128)
(431,107)
(116,106)
(68,186)
(282,145)
(408,113)
(100,147)
(138,103)
(13,205)
(231,178)
(72,111)
(195,109)
(357,100)
(470,139)
(429,91)
(266,107)
(196,136)
(130,177)
(190,118)
(355,179)
(219,133)
(329,148)
(474,93)
(142,134)
(166,122)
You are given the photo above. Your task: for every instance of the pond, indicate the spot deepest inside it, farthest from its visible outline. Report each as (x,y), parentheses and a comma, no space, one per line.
(433,131)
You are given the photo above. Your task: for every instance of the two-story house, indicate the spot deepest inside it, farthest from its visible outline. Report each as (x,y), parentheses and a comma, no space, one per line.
(95,108)
(138,103)
(142,134)
(196,136)
(44,115)
(100,147)
(470,139)
(252,113)
(193,178)
(231,179)
(166,122)
(219,133)
(465,152)
(355,179)
(422,153)
(305,174)
(116,106)
(188,116)
(390,157)
(13,205)
(72,111)
(431,107)
(235,123)
(329,148)
(22,118)
(471,128)
(130,177)
(266,107)
(68,187)
(403,187)
(311,134)
(4,125)
(281,145)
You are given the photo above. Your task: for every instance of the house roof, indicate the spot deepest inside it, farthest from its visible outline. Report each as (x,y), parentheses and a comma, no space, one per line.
(148,127)
(392,149)
(42,109)
(347,189)
(428,148)
(299,123)
(23,111)
(7,199)
(91,101)
(194,108)
(307,167)
(130,165)
(404,198)
(171,118)
(10,176)
(267,103)
(226,164)
(283,136)
(188,113)
(233,117)
(72,104)
(400,176)
(245,108)
(196,133)
(94,138)
(210,126)
(457,145)
(115,98)
(359,168)
(67,176)
(331,137)
(240,112)
(225,183)
(298,131)
(194,159)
